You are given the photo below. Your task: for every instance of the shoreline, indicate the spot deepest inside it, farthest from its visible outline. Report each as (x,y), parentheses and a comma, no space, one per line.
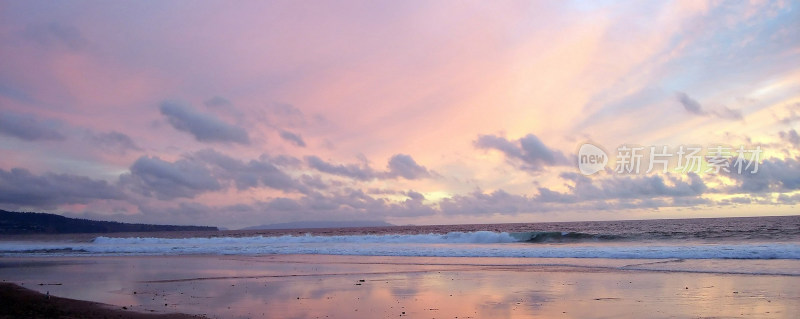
(310,286)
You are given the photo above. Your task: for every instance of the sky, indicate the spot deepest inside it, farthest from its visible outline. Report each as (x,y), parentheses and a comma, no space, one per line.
(410,112)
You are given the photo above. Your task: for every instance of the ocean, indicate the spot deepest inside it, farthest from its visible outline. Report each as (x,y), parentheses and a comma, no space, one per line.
(751,238)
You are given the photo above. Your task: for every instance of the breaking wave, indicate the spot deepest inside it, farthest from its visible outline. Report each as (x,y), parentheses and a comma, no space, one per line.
(477,237)
(453,244)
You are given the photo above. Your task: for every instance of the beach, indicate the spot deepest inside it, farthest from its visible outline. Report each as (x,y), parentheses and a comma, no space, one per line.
(325,286)
(20,302)
(399,159)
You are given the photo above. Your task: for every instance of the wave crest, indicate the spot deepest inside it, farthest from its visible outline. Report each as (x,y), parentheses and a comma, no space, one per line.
(477,237)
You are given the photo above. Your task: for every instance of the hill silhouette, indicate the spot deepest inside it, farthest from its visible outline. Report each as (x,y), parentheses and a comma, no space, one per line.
(43,223)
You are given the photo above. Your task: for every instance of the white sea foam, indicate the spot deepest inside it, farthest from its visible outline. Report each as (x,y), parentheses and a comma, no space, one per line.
(454,244)
(452,237)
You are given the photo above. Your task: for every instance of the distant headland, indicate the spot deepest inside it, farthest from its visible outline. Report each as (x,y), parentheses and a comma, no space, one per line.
(43,223)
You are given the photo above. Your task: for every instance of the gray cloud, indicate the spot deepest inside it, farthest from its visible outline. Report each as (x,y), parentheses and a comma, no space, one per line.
(479,203)
(790,136)
(529,150)
(736,200)
(616,192)
(254,173)
(692,106)
(400,165)
(773,175)
(623,187)
(352,204)
(206,171)
(28,128)
(601,197)
(293,138)
(15,93)
(287,120)
(403,165)
(286,161)
(383,191)
(415,195)
(789,199)
(340,205)
(19,187)
(203,127)
(164,180)
(727,113)
(113,141)
(354,171)
(314,182)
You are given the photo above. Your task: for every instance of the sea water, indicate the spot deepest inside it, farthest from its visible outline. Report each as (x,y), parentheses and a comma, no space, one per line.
(711,238)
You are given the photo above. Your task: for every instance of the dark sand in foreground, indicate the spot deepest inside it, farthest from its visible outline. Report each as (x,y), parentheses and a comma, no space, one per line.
(19,302)
(320,286)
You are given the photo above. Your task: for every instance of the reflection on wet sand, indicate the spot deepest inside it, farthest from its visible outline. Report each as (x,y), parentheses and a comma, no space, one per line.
(369,287)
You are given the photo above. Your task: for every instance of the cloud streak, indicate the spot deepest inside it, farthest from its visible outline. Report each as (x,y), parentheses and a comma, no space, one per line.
(400,165)
(773,175)
(692,106)
(273,128)
(204,127)
(264,172)
(354,171)
(623,187)
(791,137)
(293,138)
(529,152)
(113,141)
(207,171)
(689,104)
(21,188)
(27,127)
(154,177)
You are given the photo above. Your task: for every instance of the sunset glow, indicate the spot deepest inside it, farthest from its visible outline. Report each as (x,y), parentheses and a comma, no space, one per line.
(410,112)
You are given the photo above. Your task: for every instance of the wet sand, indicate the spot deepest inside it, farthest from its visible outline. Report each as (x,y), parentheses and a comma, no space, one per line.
(320,286)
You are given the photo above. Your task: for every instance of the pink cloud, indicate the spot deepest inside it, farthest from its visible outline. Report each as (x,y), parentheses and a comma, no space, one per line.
(352,82)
